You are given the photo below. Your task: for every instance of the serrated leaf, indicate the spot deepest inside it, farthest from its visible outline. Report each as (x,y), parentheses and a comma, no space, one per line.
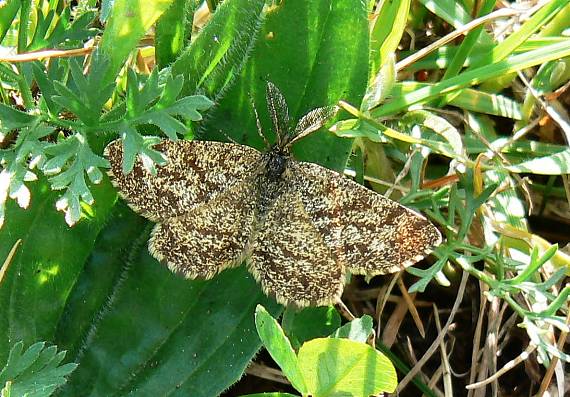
(168,124)
(358,330)
(188,107)
(341,367)
(279,347)
(18,162)
(73,158)
(11,118)
(137,145)
(150,90)
(171,90)
(36,372)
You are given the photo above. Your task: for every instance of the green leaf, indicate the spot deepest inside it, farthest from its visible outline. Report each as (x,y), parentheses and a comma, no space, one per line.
(173,30)
(554,164)
(339,367)
(9,11)
(72,159)
(381,86)
(128,22)
(137,145)
(155,104)
(54,30)
(301,325)
(536,21)
(358,330)
(437,124)
(35,373)
(218,54)
(87,95)
(332,38)
(11,118)
(276,394)
(151,332)
(387,31)
(35,287)
(476,76)
(279,348)
(19,162)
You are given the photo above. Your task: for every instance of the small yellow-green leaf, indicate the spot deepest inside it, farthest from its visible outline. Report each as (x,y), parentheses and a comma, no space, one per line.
(340,367)
(279,347)
(387,31)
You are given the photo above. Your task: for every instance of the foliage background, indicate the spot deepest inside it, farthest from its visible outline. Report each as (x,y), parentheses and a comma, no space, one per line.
(93,290)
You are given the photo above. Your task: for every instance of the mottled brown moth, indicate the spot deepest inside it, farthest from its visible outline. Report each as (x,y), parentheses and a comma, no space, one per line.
(298,227)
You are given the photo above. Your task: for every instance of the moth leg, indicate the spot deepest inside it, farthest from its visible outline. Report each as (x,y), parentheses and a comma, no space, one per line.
(290,258)
(208,239)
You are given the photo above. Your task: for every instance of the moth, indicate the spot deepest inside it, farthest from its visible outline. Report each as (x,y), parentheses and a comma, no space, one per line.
(299,227)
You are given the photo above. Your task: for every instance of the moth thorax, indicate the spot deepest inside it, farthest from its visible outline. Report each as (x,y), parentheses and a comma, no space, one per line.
(276,165)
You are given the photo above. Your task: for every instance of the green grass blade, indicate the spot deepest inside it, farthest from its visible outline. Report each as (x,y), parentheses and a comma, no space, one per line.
(476,76)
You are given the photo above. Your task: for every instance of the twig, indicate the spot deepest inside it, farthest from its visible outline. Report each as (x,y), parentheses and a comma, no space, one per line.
(265,372)
(502,13)
(9,259)
(45,54)
(507,367)
(446,373)
(477,340)
(554,361)
(410,375)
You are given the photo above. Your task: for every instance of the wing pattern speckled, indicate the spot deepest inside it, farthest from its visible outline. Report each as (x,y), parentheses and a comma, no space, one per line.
(298,226)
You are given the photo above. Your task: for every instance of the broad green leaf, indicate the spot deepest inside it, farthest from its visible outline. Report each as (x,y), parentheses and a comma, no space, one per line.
(129,21)
(358,330)
(150,332)
(301,325)
(341,367)
(221,49)
(51,256)
(314,63)
(173,30)
(279,347)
